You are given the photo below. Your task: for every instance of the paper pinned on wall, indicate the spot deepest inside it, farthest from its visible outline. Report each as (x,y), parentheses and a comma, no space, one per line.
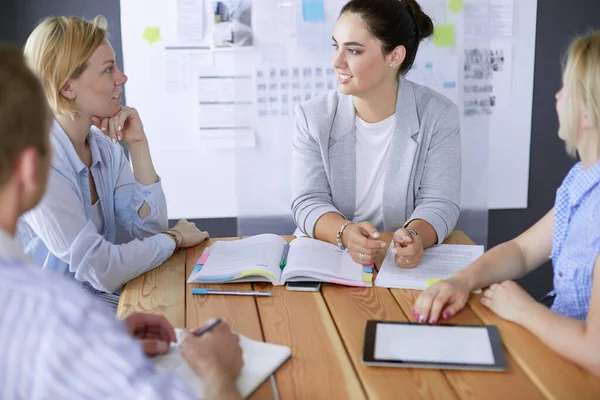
(501,18)
(313,11)
(190,21)
(477,20)
(444,35)
(151,34)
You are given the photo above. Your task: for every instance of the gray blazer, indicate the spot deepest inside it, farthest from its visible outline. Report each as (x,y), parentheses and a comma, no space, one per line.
(422,180)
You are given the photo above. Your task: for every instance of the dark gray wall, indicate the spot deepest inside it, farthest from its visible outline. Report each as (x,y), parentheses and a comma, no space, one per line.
(558,21)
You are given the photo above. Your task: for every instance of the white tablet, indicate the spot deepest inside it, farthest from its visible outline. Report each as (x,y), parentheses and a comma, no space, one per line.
(406,344)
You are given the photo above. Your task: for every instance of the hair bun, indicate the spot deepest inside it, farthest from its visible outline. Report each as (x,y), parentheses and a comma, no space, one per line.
(422,20)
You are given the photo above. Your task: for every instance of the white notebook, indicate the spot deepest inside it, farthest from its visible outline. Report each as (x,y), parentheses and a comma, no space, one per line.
(261,360)
(439,262)
(269,258)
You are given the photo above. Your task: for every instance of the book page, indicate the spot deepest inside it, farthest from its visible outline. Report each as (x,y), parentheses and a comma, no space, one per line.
(322,261)
(440,262)
(261,360)
(261,253)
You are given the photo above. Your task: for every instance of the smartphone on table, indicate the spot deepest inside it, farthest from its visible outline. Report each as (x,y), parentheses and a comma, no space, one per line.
(304,286)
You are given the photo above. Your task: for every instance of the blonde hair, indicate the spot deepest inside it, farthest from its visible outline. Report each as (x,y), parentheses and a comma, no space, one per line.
(24,113)
(58,50)
(581,85)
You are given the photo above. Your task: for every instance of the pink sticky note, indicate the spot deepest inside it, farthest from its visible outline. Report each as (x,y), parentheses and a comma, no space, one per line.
(202,259)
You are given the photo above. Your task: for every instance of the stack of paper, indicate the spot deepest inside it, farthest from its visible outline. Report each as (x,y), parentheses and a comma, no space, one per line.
(440,262)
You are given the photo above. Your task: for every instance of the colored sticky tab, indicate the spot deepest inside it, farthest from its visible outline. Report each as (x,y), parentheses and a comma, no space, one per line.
(431,281)
(203,258)
(444,36)
(259,272)
(456,5)
(198,267)
(367,278)
(151,34)
(313,11)
(368,270)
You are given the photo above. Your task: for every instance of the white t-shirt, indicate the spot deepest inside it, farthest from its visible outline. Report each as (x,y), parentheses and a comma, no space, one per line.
(372,153)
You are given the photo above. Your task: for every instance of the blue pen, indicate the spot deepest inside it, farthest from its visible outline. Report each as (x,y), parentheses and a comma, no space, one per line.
(230,292)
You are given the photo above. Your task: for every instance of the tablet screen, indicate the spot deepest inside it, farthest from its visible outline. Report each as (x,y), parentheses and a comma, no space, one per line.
(434,344)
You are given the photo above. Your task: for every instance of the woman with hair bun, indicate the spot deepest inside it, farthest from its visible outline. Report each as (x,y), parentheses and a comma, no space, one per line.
(381,153)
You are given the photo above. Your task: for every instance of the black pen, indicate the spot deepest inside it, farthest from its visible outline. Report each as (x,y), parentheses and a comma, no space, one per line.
(202,331)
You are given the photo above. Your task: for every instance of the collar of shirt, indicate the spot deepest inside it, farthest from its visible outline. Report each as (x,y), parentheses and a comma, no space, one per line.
(10,249)
(64,150)
(582,181)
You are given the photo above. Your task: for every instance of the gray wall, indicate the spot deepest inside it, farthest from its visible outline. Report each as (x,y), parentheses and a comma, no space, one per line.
(558,21)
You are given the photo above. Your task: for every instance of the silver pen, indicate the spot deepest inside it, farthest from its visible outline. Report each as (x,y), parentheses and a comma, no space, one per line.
(206,291)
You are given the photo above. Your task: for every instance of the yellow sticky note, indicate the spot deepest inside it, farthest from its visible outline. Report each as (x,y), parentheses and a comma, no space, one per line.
(431,281)
(444,36)
(259,272)
(151,34)
(456,5)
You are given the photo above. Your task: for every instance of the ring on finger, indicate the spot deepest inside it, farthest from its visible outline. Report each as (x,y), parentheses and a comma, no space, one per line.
(361,256)
(407,261)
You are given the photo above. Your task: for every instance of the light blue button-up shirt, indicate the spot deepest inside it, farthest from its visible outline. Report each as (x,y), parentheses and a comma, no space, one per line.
(576,240)
(58,342)
(59,233)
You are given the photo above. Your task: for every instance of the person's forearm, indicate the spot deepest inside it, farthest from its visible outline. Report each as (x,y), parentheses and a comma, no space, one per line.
(220,388)
(425,230)
(328,226)
(566,336)
(503,262)
(143,170)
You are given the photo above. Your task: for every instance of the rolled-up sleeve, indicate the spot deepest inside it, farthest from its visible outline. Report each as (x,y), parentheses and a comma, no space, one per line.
(130,195)
(438,197)
(310,187)
(60,222)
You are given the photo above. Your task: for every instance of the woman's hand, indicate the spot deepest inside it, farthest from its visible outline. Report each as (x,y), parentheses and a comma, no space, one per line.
(408,248)
(362,241)
(125,125)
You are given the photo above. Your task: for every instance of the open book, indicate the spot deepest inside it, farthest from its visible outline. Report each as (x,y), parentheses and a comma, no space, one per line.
(269,258)
(439,262)
(261,360)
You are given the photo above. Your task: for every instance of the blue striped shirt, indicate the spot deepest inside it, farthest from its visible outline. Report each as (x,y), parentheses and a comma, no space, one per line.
(58,342)
(59,234)
(576,240)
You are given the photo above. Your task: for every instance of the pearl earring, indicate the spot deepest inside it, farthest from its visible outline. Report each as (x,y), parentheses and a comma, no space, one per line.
(391,66)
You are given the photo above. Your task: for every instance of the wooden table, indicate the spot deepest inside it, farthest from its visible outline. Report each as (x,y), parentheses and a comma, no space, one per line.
(325,332)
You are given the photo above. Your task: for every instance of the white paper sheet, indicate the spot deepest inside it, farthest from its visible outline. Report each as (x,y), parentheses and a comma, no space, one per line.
(439,262)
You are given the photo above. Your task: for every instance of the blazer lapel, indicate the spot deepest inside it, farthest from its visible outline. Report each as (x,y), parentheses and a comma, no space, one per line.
(342,157)
(397,191)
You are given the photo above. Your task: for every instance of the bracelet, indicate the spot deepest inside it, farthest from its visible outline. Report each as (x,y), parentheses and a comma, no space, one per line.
(173,235)
(413,232)
(338,238)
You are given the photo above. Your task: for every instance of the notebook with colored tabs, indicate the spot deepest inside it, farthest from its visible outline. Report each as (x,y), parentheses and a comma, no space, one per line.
(269,258)
(439,262)
(261,360)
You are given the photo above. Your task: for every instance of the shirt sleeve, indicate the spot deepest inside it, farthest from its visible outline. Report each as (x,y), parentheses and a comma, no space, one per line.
(88,354)
(310,187)
(438,196)
(60,222)
(130,195)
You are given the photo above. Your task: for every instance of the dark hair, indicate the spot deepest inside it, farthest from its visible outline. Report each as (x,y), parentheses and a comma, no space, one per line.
(24,112)
(394,23)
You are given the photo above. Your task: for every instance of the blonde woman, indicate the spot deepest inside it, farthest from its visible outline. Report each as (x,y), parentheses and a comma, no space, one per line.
(569,234)
(91,183)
